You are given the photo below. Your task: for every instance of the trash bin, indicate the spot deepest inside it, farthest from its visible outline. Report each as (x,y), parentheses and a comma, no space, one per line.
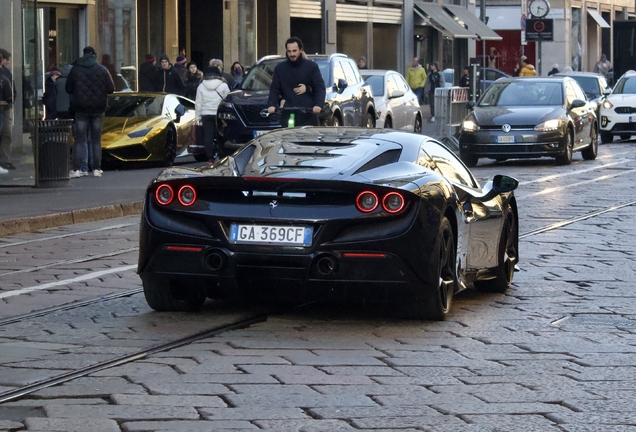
(54,152)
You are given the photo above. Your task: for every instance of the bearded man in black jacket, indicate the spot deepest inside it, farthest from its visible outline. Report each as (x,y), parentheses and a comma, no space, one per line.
(297,82)
(88,85)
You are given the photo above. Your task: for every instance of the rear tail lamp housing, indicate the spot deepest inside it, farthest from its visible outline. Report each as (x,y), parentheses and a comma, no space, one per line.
(393,202)
(367,201)
(164,194)
(187,196)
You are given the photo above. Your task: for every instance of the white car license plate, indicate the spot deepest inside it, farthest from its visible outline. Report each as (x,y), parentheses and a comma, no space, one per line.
(506,139)
(257,133)
(271,235)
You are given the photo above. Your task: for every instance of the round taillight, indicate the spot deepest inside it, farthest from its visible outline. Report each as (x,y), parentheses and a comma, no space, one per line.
(187,195)
(367,201)
(393,202)
(164,194)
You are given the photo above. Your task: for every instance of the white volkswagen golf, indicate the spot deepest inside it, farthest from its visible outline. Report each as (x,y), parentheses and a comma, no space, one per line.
(618,111)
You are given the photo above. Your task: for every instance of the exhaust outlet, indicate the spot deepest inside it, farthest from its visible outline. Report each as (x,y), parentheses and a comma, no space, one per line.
(216,260)
(326,265)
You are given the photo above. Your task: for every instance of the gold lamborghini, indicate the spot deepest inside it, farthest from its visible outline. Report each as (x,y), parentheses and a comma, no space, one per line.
(147,127)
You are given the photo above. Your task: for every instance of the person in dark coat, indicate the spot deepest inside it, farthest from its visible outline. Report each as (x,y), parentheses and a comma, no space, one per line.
(89,85)
(192,79)
(63,99)
(49,99)
(148,74)
(169,79)
(554,70)
(297,82)
(181,67)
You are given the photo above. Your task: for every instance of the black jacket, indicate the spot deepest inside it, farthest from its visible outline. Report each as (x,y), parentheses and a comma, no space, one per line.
(288,75)
(49,99)
(89,85)
(148,75)
(192,84)
(170,82)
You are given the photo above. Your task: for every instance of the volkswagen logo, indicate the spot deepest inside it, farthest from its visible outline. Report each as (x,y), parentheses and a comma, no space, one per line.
(273,204)
(264,113)
(506,128)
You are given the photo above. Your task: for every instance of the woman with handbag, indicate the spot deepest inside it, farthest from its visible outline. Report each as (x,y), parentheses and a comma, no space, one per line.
(212,90)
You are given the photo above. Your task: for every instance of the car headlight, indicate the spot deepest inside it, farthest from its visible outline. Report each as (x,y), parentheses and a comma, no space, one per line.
(139,133)
(549,125)
(470,126)
(607,104)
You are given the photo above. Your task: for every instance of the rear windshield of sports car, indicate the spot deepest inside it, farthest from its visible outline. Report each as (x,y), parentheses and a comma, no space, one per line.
(260,76)
(134,106)
(523,93)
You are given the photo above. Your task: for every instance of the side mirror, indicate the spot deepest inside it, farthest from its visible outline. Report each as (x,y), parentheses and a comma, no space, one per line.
(396,94)
(180,110)
(500,184)
(578,103)
(607,91)
(470,105)
(341,85)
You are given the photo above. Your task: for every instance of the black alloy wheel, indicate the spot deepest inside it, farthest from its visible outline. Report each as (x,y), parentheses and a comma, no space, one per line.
(434,303)
(335,121)
(590,152)
(566,157)
(171,146)
(159,293)
(508,256)
(418,124)
(388,123)
(606,137)
(370,121)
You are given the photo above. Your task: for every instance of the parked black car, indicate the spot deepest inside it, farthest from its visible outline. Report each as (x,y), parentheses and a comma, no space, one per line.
(241,116)
(593,84)
(530,117)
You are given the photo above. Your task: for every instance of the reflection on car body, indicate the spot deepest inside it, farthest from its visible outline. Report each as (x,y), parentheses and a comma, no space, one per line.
(593,84)
(144,127)
(530,117)
(328,213)
(396,105)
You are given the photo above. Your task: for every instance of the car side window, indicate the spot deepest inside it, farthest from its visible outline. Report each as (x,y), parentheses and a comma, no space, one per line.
(170,104)
(352,78)
(391,85)
(401,83)
(338,72)
(186,103)
(580,94)
(448,164)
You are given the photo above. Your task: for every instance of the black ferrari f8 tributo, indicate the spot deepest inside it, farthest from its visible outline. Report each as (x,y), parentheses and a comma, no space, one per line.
(328,213)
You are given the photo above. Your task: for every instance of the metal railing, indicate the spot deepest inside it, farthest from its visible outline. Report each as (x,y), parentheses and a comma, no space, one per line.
(450,111)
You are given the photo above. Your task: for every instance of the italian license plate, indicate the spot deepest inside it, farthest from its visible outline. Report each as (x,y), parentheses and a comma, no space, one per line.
(506,139)
(258,133)
(271,235)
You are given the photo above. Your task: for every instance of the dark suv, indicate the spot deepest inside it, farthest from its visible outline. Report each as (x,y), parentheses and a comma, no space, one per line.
(243,114)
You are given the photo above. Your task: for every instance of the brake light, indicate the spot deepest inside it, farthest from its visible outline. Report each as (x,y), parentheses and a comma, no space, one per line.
(187,195)
(367,201)
(164,194)
(393,202)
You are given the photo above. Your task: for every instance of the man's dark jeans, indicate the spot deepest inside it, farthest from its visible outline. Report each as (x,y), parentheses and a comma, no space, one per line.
(88,131)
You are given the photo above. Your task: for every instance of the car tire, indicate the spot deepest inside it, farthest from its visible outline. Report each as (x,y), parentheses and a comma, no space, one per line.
(606,137)
(418,124)
(388,123)
(469,160)
(171,146)
(159,296)
(590,152)
(625,136)
(508,256)
(435,302)
(335,121)
(566,157)
(370,121)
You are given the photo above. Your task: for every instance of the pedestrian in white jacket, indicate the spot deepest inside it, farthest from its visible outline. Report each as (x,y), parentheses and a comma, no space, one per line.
(210,93)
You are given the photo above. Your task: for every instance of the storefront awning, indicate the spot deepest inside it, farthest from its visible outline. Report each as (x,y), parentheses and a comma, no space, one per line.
(473,23)
(598,18)
(442,21)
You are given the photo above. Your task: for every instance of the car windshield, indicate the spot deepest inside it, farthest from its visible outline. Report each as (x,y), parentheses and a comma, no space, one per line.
(377,84)
(589,85)
(523,93)
(260,76)
(134,106)
(625,86)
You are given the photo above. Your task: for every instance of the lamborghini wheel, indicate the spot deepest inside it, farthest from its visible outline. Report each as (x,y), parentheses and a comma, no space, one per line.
(171,147)
(435,302)
(160,295)
(508,256)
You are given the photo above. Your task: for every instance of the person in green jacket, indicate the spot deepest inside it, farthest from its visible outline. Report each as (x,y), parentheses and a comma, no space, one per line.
(416,79)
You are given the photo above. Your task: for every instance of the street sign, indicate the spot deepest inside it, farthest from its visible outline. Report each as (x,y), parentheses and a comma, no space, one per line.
(539,30)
